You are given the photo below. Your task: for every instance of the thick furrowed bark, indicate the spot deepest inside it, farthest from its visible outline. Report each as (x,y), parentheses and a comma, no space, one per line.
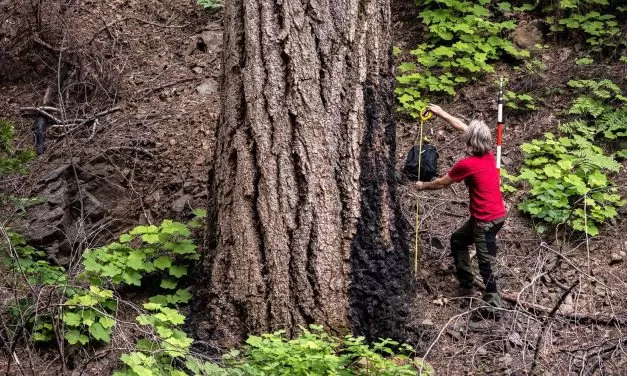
(303,180)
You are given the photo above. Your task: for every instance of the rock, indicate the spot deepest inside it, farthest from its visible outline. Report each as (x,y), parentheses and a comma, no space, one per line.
(507,161)
(197,70)
(436,242)
(187,186)
(567,305)
(507,359)
(191,47)
(210,86)
(44,226)
(179,204)
(210,41)
(514,338)
(527,36)
(54,174)
(616,258)
(564,54)
(427,322)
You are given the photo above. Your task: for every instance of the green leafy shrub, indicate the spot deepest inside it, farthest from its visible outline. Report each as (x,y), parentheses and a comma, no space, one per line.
(21,258)
(11,161)
(89,314)
(210,5)
(519,102)
(589,17)
(167,351)
(568,182)
(145,249)
(315,352)
(507,180)
(462,41)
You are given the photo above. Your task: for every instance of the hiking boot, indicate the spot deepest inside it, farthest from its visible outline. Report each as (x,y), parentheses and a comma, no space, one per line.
(492,307)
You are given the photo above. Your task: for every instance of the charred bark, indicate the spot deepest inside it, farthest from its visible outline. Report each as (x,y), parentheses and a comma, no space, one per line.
(304,218)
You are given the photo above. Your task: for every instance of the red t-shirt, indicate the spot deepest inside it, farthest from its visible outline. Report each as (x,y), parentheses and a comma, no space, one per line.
(483,181)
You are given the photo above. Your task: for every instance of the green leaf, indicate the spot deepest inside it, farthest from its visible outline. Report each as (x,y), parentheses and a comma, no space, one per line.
(170,315)
(72,318)
(181,248)
(254,341)
(100,333)
(552,171)
(174,228)
(597,179)
(168,283)
(162,262)
(106,322)
(132,277)
(178,270)
(136,260)
(125,238)
(89,317)
(505,6)
(73,337)
(90,263)
(139,230)
(152,306)
(151,238)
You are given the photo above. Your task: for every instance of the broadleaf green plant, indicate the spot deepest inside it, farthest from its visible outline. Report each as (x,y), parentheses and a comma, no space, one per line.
(568,182)
(144,249)
(462,41)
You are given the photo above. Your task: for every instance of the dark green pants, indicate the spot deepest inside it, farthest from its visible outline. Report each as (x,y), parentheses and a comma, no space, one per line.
(483,235)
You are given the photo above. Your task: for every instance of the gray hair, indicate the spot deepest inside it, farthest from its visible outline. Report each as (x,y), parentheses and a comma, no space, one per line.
(478,138)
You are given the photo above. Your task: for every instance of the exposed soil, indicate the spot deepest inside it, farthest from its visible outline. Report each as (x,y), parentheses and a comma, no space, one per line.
(159,62)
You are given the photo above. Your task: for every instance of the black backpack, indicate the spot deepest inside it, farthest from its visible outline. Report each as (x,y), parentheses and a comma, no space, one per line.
(428,163)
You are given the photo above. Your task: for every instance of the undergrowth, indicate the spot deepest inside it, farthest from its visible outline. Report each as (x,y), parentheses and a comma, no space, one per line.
(463,39)
(569,176)
(87,315)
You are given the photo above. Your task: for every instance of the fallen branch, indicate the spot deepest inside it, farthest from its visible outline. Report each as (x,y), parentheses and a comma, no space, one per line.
(599,354)
(42,108)
(43,112)
(608,320)
(81,122)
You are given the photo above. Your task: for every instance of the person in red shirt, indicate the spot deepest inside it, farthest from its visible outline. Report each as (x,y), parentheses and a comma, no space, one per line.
(487,209)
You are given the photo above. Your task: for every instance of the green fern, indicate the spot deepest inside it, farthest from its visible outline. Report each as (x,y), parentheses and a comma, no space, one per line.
(585,105)
(591,159)
(614,124)
(578,127)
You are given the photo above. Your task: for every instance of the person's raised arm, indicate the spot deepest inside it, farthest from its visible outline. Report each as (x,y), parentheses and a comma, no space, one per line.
(439,183)
(452,120)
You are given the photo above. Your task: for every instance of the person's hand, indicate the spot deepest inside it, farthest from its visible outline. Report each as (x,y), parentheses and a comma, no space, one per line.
(420,185)
(437,110)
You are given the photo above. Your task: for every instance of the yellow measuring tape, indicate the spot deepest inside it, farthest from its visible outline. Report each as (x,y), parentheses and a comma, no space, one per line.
(425,115)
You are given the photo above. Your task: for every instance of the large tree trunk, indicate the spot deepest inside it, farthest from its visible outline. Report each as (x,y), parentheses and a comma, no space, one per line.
(304,222)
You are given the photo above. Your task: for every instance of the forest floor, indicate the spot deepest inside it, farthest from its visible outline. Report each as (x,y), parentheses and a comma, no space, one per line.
(160,63)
